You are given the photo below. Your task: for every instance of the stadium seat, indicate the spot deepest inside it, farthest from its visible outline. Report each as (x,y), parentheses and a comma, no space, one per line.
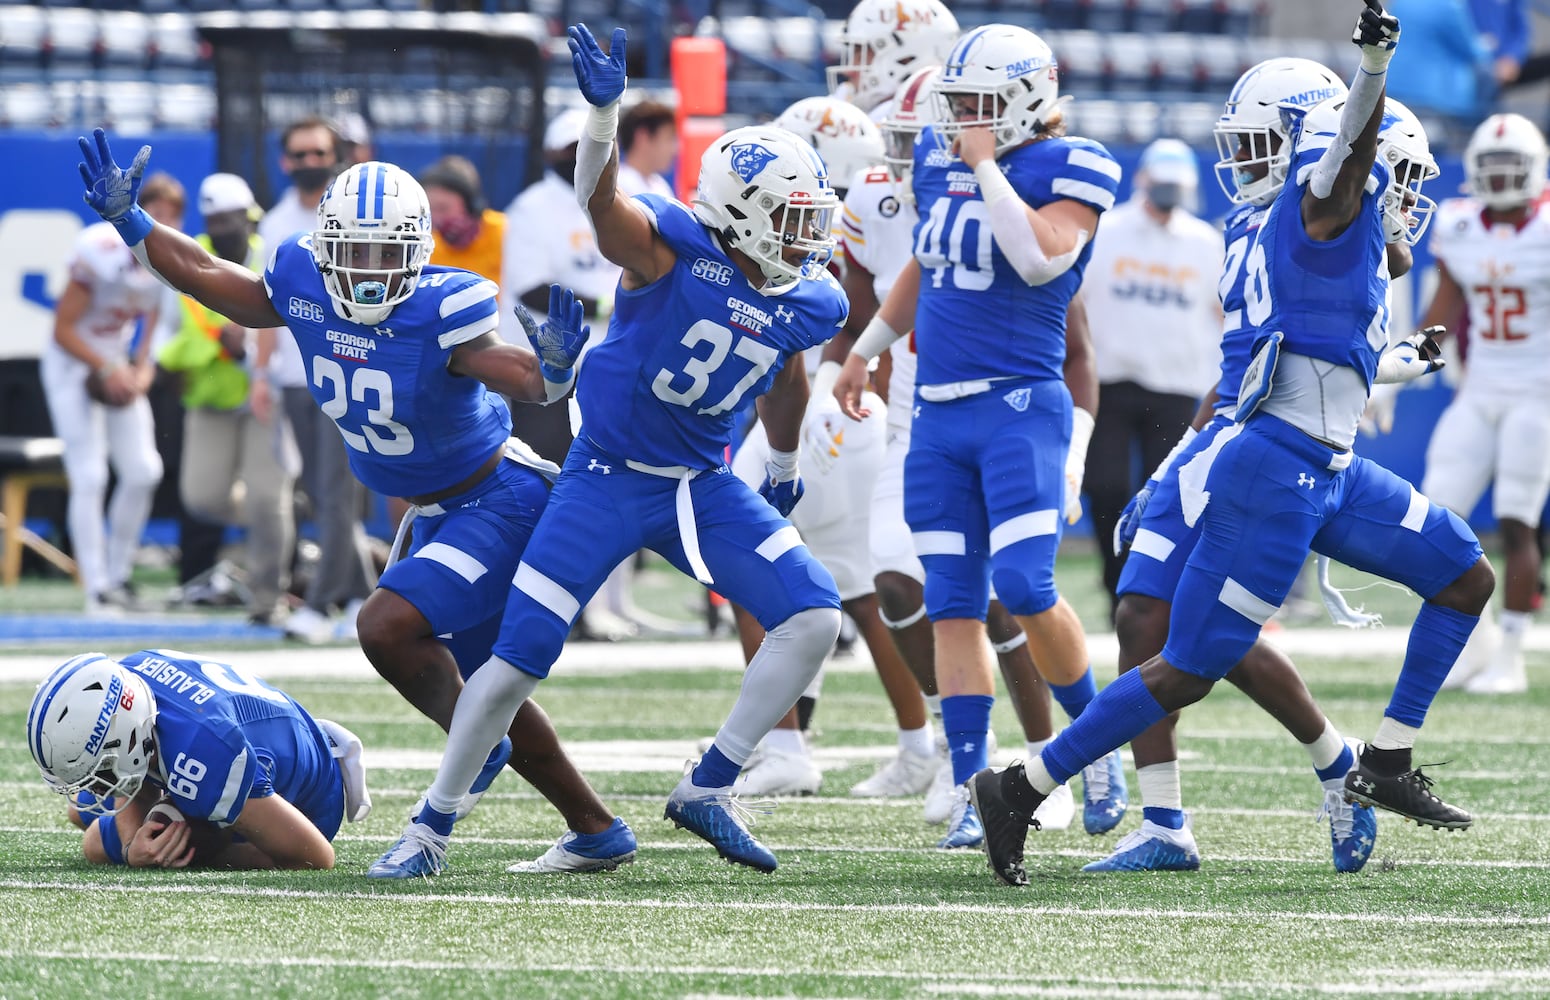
(1152,16)
(24,37)
(73,33)
(1193,121)
(1142,121)
(1223,59)
(1081,58)
(27,105)
(126,39)
(1242,18)
(185,107)
(1109,16)
(1129,61)
(798,39)
(1177,68)
(1198,17)
(1097,119)
(129,106)
(175,42)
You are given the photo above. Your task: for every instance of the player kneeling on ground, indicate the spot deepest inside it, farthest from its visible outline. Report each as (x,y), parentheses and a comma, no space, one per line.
(173,761)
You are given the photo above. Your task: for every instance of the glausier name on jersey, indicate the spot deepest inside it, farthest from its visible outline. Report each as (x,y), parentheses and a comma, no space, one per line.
(351,346)
(748,317)
(174,678)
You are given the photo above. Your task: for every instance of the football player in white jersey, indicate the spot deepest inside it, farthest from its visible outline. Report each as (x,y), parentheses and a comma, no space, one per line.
(876,232)
(1493,258)
(95,376)
(884,42)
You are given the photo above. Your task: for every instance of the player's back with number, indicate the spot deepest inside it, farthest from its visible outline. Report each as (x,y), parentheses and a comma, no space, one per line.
(411,426)
(684,354)
(966,277)
(224,736)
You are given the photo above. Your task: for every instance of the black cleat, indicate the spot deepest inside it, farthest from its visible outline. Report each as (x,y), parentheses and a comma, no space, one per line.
(1408,793)
(1006,811)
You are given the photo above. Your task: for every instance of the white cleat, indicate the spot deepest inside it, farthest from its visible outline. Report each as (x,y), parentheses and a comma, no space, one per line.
(939,797)
(1504,675)
(779,774)
(1057,810)
(905,774)
(1476,656)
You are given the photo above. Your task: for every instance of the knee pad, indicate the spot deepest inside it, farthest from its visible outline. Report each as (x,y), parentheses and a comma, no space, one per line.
(900,624)
(1024,592)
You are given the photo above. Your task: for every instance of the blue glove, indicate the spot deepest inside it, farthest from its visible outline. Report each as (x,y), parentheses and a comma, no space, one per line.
(559,339)
(111,190)
(1130,518)
(782,494)
(600,75)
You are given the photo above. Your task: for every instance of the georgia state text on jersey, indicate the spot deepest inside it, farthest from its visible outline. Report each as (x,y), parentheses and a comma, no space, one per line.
(224,736)
(966,279)
(411,426)
(1328,297)
(1504,273)
(686,352)
(1241,229)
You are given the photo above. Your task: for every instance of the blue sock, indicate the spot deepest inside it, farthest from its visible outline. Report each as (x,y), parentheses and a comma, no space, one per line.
(439,821)
(1338,769)
(1436,639)
(715,769)
(1173,819)
(1123,711)
(1076,696)
(966,721)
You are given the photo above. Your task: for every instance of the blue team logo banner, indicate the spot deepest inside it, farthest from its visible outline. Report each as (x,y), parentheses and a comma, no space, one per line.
(749,160)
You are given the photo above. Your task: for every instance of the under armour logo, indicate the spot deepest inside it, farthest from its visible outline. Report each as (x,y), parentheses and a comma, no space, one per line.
(593,465)
(1018,399)
(915,412)
(382,331)
(1362,784)
(1303,479)
(785,315)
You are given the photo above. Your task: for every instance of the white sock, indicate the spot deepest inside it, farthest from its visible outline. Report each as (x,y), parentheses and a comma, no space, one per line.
(483,714)
(785,663)
(1325,750)
(1514,624)
(1036,747)
(786,741)
(1160,785)
(934,706)
(920,742)
(1394,735)
(1038,776)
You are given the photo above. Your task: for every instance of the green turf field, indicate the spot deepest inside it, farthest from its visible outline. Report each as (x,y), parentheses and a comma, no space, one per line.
(862,905)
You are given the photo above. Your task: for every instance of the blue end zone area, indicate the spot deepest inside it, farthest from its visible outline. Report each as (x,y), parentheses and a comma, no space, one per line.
(136,630)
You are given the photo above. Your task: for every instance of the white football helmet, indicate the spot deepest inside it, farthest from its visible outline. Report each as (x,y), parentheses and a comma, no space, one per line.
(1251,121)
(844,135)
(1002,77)
(912,109)
(92,728)
(1403,146)
(766,191)
(1505,162)
(373,239)
(885,41)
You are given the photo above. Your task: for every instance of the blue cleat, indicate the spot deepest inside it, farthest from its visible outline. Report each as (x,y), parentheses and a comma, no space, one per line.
(1353,830)
(715,815)
(1104,795)
(578,853)
(492,768)
(963,824)
(1152,848)
(420,853)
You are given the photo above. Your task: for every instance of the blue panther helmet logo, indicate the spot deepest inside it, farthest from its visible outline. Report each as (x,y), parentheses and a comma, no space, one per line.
(749,159)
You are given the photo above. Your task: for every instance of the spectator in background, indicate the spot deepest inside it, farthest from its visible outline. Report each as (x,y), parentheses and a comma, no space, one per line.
(224,443)
(310,156)
(1505,28)
(95,374)
(469,233)
(1442,68)
(1151,302)
(648,148)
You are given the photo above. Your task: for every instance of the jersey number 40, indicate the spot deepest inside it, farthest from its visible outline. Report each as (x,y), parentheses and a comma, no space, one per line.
(945,244)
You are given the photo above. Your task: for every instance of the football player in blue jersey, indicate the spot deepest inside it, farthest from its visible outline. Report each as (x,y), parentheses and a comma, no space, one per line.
(213,743)
(1283,480)
(1255,152)
(400,354)
(1008,205)
(711,304)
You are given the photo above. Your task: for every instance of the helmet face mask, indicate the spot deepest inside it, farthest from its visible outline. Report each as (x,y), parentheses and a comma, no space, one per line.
(373,240)
(767,193)
(1505,162)
(999,77)
(1251,135)
(91,729)
(912,110)
(885,41)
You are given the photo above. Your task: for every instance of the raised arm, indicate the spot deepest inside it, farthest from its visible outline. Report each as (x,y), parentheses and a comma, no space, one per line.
(228,288)
(624,233)
(1334,194)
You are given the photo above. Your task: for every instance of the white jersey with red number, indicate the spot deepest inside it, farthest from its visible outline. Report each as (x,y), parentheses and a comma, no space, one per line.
(877,231)
(121,290)
(1504,273)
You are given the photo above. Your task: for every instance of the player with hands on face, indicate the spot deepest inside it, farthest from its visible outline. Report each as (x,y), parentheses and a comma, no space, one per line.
(1002,421)
(1283,479)
(402,356)
(710,308)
